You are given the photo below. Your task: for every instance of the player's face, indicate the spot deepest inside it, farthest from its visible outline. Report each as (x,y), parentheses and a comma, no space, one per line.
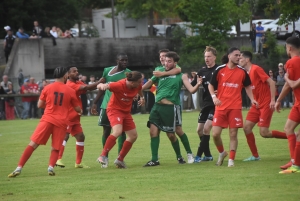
(122,62)
(210,59)
(169,63)
(242,61)
(234,57)
(162,57)
(135,84)
(73,73)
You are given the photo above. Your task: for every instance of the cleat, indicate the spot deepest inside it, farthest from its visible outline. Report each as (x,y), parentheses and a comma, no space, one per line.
(292,169)
(252,158)
(207,158)
(81,165)
(190,158)
(59,163)
(230,163)
(286,166)
(151,163)
(103,160)
(120,164)
(15,173)
(51,172)
(181,160)
(221,158)
(197,159)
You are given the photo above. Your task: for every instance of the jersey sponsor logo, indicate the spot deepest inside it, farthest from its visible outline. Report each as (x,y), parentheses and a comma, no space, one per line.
(203,76)
(223,74)
(231,85)
(125,99)
(171,76)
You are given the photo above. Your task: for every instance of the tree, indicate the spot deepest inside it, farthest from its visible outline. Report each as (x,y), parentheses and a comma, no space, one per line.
(240,13)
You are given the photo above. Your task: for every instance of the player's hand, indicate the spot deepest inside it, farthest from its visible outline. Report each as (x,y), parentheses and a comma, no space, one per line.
(141,102)
(94,109)
(80,113)
(158,73)
(136,97)
(216,101)
(272,105)
(102,86)
(278,106)
(254,102)
(199,80)
(216,92)
(194,73)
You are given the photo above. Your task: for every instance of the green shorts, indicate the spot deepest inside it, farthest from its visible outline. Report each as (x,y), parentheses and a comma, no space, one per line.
(165,117)
(103,119)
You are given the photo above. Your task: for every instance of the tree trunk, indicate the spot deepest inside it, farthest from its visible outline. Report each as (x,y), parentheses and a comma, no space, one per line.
(238,28)
(151,16)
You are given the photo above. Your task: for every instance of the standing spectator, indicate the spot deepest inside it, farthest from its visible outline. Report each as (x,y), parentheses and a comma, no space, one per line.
(264,45)
(60,33)
(68,34)
(44,83)
(2,104)
(7,28)
(21,34)
(53,32)
(37,30)
(280,83)
(20,77)
(10,103)
(83,96)
(253,36)
(274,78)
(47,33)
(5,82)
(280,67)
(25,100)
(8,43)
(259,34)
(34,89)
(94,92)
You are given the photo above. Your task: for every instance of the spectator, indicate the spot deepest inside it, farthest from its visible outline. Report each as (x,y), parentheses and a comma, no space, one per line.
(84,96)
(53,32)
(5,82)
(21,34)
(10,104)
(37,30)
(60,33)
(47,33)
(272,76)
(259,34)
(280,67)
(25,100)
(68,34)
(8,43)
(280,83)
(34,89)
(264,45)
(44,83)
(20,77)
(253,36)
(92,79)
(2,104)
(7,28)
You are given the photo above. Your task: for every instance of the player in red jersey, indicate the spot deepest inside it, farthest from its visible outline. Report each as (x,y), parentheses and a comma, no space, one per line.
(56,98)
(74,126)
(292,78)
(261,83)
(229,79)
(118,112)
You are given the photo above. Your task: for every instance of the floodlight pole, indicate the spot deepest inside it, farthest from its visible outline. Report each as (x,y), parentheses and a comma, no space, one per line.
(113,18)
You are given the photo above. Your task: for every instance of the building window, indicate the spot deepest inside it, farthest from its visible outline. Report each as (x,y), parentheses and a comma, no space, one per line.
(130,23)
(103,24)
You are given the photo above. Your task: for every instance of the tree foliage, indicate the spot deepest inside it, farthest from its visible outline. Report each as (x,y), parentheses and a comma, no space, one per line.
(290,10)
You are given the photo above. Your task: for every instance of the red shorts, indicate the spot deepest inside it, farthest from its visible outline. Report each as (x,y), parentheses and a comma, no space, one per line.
(295,114)
(74,129)
(44,130)
(261,116)
(228,117)
(118,117)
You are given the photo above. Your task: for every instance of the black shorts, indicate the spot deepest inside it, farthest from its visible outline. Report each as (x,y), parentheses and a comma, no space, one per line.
(207,113)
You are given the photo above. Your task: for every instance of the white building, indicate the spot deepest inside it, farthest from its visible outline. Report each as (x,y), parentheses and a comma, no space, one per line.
(124,28)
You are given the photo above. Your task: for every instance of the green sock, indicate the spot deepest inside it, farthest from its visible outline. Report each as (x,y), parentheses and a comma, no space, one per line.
(121,140)
(154,148)
(185,141)
(176,148)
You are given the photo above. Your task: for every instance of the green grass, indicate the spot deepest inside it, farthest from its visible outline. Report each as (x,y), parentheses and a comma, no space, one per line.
(170,181)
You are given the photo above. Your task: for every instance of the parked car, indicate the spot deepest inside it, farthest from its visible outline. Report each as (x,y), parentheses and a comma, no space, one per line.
(161,29)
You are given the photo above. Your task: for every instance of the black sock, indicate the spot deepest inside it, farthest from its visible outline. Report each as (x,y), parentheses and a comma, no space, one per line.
(200,147)
(206,149)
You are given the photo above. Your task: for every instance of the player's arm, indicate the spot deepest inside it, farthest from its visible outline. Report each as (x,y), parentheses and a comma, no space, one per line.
(273,91)
(248,89)
(75,104)
(187,84)
(142,98)
(285,90)
(174,71)
(213,83)
(147,85)
(95,102)
(292,84)
(41,104)
(92,86)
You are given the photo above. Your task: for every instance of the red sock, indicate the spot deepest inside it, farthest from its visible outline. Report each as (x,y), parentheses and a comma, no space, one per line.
(25,156)
(110,142)
(279,134)
(62,149)
(220,148)
(251,143)
(297,154)
(79,151)
(124,151)
(292,144)
(53,158)
(232,154)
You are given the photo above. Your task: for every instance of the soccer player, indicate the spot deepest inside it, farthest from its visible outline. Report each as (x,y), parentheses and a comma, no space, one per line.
(292,78)
(56,98)
(261,83)
(207,112)
(119,114)
(167,104)
(110,74)
(74,126)
(229,79)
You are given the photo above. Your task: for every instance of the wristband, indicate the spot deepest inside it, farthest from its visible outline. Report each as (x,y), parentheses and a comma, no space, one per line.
(213,96)
(142,98)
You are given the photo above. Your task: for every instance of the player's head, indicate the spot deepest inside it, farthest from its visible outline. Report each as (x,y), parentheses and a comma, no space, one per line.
(162,55)
(134,79)
(292,45)
(171,60)
(61,72)
(232,56)
(122,61)
(245,58)
(73,73)
(210,55)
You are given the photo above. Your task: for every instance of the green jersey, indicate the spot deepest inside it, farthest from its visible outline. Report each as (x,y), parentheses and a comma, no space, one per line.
(111,78)
(168,87)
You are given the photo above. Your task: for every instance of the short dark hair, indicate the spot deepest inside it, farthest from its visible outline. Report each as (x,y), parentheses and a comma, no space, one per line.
(247,54)
(69,67)
(173,55)
(163,50)
(225,58)
(121,55)
(293,41)
(133,76)
(59,72)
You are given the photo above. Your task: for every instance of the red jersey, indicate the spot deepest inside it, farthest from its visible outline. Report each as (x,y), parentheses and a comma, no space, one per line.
(293,69)
(34,88)
(59,99)
(25,98)
(229,83)
(122,96)
(73,116)
(260,87)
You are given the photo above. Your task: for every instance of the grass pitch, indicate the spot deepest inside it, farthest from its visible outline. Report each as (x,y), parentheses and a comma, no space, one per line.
(257,180)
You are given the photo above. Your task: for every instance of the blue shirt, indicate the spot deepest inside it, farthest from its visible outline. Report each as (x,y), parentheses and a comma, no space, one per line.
(259,28)
(22,35)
